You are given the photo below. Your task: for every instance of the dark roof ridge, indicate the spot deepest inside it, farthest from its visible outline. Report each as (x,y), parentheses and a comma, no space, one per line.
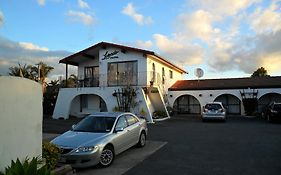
(64,60)
(231,78)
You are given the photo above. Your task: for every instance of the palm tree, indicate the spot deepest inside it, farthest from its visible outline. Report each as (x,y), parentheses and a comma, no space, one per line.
(41,71)
(22,71)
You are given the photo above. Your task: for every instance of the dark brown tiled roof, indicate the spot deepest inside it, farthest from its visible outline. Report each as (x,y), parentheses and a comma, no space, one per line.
(229,83)
(68,59)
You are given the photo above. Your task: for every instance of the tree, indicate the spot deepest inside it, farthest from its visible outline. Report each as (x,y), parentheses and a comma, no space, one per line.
(41,71)
(260,72)
(22,71)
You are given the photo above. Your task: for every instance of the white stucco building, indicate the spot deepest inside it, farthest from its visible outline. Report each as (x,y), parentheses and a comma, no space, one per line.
(189,96)
(106,68)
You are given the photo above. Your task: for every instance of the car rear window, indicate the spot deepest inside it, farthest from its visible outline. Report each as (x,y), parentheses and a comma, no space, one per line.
(213,106)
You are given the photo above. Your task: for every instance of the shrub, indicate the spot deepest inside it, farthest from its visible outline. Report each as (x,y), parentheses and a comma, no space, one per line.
(50,153)
(26,168)
(159,114)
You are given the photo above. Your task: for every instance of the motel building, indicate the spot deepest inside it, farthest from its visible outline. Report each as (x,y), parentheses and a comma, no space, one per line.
(114,77)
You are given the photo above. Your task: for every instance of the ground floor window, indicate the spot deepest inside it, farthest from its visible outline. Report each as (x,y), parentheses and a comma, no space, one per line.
(122,73)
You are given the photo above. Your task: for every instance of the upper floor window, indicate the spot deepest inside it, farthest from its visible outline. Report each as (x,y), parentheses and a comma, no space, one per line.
(153,72)
(122,73)
(91,76)
(171,74)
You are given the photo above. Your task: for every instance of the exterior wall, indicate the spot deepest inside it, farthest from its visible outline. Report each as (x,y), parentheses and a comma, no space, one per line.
(21,119)
(158,69)
(88,63)
(66,95)
(205,96)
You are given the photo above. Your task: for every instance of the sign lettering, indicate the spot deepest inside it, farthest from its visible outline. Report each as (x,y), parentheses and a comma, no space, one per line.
(111,55)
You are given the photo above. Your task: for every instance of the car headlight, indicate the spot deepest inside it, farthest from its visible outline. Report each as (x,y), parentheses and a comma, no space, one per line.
(86,149)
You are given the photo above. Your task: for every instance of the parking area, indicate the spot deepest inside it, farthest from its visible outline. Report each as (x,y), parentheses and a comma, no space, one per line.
(239,146)
(189,146)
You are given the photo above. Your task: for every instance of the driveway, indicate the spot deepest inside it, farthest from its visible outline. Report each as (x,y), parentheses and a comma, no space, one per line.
(239,146)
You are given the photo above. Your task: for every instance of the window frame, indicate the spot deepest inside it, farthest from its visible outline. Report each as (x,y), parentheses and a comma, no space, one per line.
(135,118)
(171,74)
(118,74)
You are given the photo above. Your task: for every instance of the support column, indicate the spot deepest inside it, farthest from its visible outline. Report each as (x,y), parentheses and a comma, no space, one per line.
(66,75)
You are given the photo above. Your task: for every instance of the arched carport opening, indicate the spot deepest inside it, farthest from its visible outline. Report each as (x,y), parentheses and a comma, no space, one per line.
(85,104)
(268,98)
(231,103)
(187,104)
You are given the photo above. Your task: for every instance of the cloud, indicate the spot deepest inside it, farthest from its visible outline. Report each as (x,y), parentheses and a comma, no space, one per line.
(137,17)
(185,54)
(266,20)
(249,52)
(1,18)
(82,4)
(81,17)
(197,25)
(41,2)
(144,44)
(30,46)
(12,53)
(224,7)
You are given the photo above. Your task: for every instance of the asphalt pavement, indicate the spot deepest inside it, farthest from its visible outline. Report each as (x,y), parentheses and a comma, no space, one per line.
(240,146)
(186,145)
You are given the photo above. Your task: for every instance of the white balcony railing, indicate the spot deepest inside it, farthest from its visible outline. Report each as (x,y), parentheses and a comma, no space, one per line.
(122,79)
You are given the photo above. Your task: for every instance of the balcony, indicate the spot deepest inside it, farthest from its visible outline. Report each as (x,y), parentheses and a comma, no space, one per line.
(88,82)
(147,78)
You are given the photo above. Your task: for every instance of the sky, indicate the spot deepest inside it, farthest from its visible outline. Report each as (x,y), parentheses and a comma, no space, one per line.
(225,38)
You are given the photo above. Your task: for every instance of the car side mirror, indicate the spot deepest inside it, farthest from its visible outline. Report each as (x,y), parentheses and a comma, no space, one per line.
(73,126)
(119,129)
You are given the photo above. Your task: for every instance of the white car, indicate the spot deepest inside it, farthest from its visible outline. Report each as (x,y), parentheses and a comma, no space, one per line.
(214,111)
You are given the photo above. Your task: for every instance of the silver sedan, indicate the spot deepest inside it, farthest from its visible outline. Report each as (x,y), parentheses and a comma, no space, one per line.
(99,137)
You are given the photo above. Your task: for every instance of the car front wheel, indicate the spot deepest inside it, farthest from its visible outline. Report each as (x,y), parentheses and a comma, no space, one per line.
(107,156)
(142,140)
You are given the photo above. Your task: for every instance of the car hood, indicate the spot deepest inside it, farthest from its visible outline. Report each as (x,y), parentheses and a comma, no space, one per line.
(75,139)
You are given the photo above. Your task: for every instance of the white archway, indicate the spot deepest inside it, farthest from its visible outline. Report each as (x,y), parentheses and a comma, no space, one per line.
(268,98)
(187,104)
(84,104)
(231,102)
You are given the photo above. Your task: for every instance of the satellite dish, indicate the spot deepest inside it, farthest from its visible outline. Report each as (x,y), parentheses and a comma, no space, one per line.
(199,72)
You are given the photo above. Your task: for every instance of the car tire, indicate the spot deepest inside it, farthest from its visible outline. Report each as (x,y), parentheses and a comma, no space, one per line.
(142,140)
(107,156)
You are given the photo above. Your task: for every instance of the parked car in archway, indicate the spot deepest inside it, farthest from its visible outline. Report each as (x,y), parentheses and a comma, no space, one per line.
(273,112)
(99,137)
(214,111)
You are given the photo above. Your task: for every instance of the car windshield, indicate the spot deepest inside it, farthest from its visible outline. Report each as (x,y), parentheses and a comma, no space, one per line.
(213,106)
(95,124)
(277,107)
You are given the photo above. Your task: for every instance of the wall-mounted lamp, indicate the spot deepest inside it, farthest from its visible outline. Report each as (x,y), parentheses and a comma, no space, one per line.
(211,95)
(171,95)
(200,95)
